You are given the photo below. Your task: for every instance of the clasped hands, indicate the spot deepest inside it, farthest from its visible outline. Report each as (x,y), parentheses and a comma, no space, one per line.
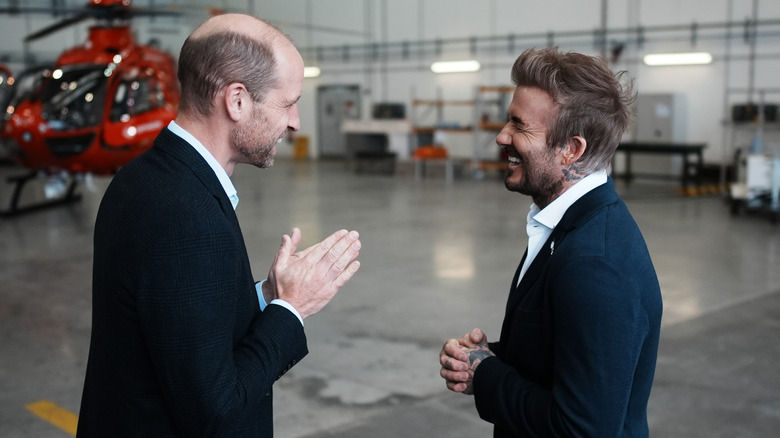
(460,358)
(310,278)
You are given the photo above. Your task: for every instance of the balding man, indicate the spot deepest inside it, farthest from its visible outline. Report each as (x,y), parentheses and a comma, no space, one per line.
(184,342)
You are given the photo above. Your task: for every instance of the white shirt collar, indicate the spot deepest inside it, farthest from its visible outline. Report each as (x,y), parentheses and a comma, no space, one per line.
(552,214)
(223,177)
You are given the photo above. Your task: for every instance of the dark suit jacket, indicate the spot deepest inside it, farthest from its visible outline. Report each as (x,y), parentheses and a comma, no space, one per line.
(179,346)
(578,345)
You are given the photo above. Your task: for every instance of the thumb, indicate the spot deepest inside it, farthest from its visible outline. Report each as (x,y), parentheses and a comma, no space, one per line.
(295,238)
(288,247)
(478,336)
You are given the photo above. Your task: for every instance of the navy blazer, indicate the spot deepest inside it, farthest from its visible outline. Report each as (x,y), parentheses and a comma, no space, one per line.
(579,341)
(179,345)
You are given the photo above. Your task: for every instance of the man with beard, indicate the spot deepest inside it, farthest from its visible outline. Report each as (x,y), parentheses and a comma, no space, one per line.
(578,345)
(184,342)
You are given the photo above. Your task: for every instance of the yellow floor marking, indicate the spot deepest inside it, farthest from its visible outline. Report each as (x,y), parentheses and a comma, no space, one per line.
(62,418)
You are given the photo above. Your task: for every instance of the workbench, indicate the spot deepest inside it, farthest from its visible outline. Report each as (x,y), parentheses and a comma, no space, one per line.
(691,170)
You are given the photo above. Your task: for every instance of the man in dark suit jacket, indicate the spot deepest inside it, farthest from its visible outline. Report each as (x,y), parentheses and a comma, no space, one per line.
(184,342)
(579,341)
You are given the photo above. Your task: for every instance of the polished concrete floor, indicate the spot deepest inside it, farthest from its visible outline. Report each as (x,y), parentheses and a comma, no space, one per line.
(437,261)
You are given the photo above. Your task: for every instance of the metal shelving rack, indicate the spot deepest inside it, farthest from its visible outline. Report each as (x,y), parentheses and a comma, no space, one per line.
(490,106)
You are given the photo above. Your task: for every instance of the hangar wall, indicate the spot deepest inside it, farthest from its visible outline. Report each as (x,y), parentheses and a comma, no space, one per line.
(386,47)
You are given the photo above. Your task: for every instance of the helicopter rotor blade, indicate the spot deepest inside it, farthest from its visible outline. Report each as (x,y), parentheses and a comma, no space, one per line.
(56,26)
(110,13)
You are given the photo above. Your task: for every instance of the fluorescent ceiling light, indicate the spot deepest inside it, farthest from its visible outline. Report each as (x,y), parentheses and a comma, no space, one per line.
(455,66)
(691,58)
(311,72)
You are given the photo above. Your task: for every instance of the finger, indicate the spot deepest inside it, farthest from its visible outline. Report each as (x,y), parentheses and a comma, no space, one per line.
(302,253)
(346,274)
(452,364)
(285,250)
(444,360)
(343,260)
(332,266)
(453,349)
(347,245)
(478,336)
(447,360)
(320,246)
(295,238)
(331,240)
(456,387)
(316,252)
(453,376)
(473,339)
(448,375)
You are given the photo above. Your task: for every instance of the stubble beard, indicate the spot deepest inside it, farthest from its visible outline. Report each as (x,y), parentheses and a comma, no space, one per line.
(256,147)
(260,156)
(541,184)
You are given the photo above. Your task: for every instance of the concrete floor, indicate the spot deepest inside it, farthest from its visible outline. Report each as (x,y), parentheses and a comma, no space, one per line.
(437,260)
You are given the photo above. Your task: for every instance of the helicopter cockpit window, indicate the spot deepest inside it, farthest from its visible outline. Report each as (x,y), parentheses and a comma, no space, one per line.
(73,97)
(25,86)
(134,96)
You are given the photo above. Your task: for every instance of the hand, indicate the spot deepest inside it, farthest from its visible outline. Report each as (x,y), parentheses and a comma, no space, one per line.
(460,358)
(309,279)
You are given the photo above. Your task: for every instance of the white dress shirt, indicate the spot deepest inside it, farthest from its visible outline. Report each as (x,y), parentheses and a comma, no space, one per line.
(232,194)
(540,223)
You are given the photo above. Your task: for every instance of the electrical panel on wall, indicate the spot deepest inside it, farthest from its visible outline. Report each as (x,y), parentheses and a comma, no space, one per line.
(658,119)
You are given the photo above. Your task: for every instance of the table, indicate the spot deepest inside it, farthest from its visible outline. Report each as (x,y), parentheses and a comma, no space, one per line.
(395,134)
(449,164)
(690,173)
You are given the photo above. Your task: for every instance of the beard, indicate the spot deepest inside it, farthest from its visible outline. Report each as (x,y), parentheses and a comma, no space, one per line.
(539,180)
(256,145)
(543,186)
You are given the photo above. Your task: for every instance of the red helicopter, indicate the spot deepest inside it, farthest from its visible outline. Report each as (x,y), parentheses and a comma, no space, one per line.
(99,106)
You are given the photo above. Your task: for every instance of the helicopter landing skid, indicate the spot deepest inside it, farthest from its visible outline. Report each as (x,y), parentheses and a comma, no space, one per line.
(70,196)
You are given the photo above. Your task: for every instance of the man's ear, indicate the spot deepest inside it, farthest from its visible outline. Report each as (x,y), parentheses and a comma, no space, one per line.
(575,147)
(237,101)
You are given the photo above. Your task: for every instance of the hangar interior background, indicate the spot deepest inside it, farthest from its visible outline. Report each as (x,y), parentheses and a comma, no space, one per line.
(440,249)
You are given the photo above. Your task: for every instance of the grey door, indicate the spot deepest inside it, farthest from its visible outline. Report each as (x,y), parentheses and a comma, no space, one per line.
(334,104)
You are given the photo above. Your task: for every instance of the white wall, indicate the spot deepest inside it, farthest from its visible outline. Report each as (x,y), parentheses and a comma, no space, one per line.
(704,88)
(335,23)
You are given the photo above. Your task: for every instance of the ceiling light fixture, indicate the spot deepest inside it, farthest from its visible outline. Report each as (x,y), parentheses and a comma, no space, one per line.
(691,58)
(311,72)
(455,66)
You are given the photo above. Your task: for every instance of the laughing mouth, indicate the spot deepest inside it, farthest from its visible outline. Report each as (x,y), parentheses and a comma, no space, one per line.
(512,156)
